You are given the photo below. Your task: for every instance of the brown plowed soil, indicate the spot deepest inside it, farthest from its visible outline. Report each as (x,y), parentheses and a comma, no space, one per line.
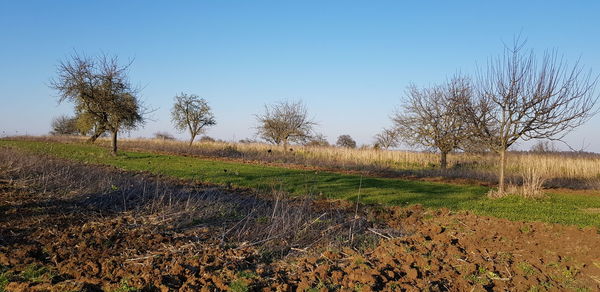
(93,235)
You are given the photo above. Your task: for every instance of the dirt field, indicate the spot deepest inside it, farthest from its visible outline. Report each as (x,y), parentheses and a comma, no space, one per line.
(74,227)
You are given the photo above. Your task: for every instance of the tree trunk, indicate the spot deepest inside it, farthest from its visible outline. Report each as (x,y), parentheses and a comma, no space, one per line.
(502,167)
(285,144)
(114,143)
(443,160)
(192,136)
(94,136)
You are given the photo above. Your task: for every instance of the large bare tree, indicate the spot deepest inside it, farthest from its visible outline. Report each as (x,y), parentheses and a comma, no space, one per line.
(192,113)
(523,97)
(101,92)
(284,122)
(434,117)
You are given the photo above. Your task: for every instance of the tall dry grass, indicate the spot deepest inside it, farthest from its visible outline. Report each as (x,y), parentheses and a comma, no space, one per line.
(573,170)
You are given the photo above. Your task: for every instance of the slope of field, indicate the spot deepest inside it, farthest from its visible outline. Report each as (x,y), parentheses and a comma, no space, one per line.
(556,208)
(68,226)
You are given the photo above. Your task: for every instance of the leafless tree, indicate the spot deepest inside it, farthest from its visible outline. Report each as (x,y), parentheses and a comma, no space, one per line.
(522,97)
(318,140)
(544,146)
(387,138)
(284,122)
(101,92)
(434,117)
(64,125)
(192,113)
(345,141)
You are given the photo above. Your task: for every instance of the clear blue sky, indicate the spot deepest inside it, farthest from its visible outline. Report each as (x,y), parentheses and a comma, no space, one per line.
(349,61)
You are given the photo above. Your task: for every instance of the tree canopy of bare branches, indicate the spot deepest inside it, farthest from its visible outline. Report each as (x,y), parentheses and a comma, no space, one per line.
(522,97)
(101,92)
(64,125)
(345,141)
(317,140)
(387,138)
(542,146)
(434,117)
(284,122)
(192,113)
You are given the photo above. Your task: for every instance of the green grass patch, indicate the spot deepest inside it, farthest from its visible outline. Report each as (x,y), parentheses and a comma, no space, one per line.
(556,208)
(125,287)
(238,286)
(36,273)
(5,278)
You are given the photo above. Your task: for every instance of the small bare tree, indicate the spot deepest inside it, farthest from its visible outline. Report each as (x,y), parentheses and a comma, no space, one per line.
(345,141)
(317,140)
(523,98)
(284,122)
(542,146)
(434,117)
(64,125)
(101,92)
(387,138)
(192,113)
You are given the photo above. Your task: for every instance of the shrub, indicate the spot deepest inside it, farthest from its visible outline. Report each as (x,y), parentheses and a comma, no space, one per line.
(205,139)
(163,136)
(247,141)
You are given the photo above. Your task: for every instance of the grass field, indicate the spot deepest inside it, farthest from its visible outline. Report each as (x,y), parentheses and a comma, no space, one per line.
(576,170)
(556,208)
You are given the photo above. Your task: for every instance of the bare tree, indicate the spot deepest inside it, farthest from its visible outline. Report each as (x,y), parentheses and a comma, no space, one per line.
(101,92)
(284,122)
(542,146)
(318,140)
(64,125)
(387,138)
(434,117)
(345,141)
(522,97)
(192,113)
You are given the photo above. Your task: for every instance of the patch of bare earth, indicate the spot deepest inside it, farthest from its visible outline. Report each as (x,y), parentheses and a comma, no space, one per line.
(66,226)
